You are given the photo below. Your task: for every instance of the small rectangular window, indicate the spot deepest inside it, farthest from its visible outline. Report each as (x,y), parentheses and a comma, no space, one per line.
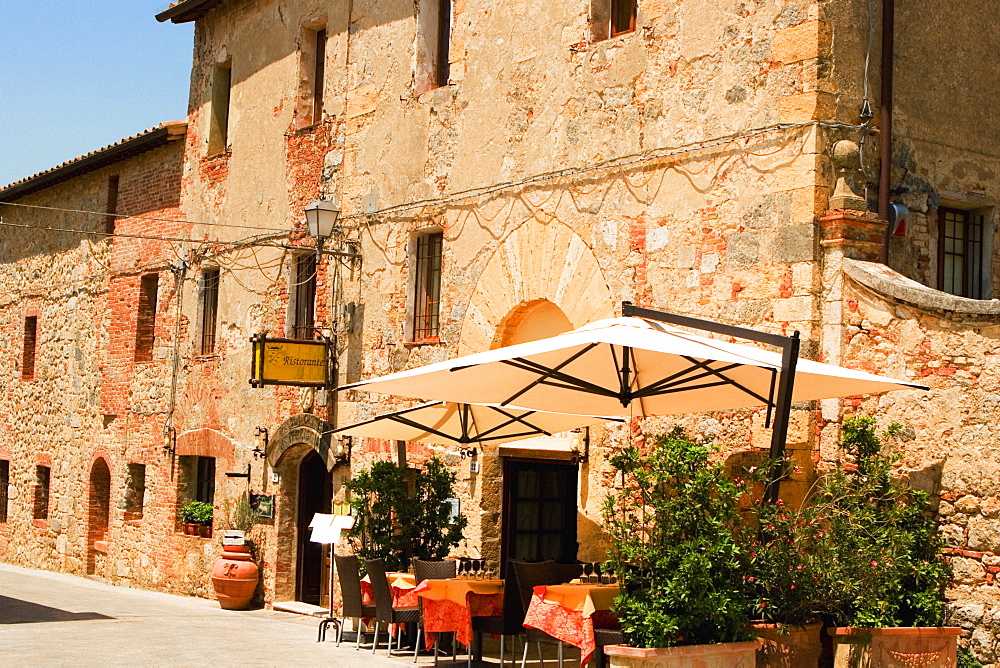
(444,42)
(209,309)
(206,480)
(112,205)
(303,321)
(41,500)
(135,491)
(195,480)
(610,18)
(145,325)
(4,486)
(960,252)
(30,347)
(319,74)
(427,287)
(218,131)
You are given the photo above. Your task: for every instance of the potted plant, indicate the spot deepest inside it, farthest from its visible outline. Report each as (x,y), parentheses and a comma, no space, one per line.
(791,583)
(197,518)
(677,548)
(235,575)
(889,559)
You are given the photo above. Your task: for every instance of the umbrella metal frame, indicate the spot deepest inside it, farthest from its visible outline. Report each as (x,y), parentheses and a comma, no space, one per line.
(782,404)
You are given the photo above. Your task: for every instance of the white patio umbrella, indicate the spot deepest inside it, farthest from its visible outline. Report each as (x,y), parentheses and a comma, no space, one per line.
(448,423)
(626,367)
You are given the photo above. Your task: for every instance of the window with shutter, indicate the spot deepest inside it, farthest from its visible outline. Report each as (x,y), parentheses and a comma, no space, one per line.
(145,326)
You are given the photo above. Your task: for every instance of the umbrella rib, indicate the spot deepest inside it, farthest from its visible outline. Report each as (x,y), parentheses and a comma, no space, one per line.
(695,365)
(562,380)
(660,389)
(512,419)
(547,372)
(430,430)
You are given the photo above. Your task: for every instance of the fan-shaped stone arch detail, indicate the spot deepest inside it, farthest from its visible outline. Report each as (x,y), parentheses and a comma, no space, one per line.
(303,428)
(535,261)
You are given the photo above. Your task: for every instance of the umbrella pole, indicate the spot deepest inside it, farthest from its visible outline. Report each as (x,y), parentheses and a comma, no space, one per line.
(783,402)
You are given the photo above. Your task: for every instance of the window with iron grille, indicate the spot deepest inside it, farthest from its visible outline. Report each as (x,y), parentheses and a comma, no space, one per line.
(304,313)
(41,500)
(145,324)
(30,344)
(960,252)
(4,484)
(427,287)
(209,309)
(112,204)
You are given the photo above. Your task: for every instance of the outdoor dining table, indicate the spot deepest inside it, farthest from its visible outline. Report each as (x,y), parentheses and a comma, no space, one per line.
(568,612)
(449,606)
(402,586)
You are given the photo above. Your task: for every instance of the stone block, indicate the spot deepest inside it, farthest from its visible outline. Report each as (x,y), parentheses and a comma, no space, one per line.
(968,571)
(795,243)
(793,309)
(742,250)
(805,41)
(809,106)
(984,534)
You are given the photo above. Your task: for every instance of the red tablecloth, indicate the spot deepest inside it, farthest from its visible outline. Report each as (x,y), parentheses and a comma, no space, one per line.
(450,605)
(570,612)
(400,584)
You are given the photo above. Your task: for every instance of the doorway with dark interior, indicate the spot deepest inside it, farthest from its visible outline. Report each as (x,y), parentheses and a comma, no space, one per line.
(539,510)
(315,490)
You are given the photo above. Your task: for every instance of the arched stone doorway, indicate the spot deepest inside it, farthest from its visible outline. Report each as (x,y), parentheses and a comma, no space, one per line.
(98,514)
(299,451)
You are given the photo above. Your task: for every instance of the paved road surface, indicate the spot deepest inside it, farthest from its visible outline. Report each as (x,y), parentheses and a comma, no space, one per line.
(52,619)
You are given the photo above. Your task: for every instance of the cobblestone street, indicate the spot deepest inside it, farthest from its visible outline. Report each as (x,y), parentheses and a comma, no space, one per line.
(53,619)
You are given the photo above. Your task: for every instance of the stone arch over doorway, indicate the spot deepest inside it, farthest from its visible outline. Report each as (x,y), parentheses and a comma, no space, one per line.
(302,429)
(98,513)
(535,263)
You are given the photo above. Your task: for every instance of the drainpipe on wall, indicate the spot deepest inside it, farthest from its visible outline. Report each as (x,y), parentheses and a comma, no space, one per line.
(180,272)
(885,122)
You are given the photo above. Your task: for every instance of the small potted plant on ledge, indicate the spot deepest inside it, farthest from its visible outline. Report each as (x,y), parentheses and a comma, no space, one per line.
(888,559)
(680,557)
(197,518)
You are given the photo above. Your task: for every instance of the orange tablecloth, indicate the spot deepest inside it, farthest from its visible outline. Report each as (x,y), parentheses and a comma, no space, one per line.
(402,586)
(450,605)
(568,612)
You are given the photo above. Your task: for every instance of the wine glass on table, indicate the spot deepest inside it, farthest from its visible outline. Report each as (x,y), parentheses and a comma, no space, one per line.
(588,569)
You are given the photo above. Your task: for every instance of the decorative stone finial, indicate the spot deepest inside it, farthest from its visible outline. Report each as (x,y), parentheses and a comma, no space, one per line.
(845,158)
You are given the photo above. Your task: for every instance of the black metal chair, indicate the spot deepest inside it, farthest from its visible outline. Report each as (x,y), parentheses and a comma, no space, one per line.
(530,576)
(510,623)
(430,570)
(385,613)
(350,594)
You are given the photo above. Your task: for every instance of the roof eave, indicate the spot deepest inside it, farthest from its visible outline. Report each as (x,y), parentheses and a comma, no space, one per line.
(187,10)
(146,141)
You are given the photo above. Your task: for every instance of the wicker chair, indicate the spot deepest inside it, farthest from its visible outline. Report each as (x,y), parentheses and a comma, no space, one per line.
(510,623)
(350,593)
(430,570)
(385,613)
(530,576)
(603,637)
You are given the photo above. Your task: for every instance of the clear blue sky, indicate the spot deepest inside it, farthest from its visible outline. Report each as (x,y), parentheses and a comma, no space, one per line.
(76,75)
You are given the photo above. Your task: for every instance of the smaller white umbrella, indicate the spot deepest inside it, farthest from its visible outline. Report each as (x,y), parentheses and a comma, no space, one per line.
(449,423)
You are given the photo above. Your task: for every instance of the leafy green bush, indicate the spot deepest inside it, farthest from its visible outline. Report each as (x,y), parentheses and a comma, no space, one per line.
(676,546)
(197,512)
(888,562)
(401,514)
(790,566)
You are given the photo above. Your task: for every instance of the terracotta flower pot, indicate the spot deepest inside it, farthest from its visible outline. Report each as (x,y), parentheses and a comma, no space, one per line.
(796,647)
(721,655)
(234,577)
(191,529)
(205,530)
(927,647)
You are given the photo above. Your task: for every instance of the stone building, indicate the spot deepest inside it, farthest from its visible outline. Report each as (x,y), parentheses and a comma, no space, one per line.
(507,175)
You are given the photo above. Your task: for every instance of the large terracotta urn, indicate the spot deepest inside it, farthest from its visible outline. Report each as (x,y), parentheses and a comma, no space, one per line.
(789,647)
(927,647)
(235,577)
(722,655)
